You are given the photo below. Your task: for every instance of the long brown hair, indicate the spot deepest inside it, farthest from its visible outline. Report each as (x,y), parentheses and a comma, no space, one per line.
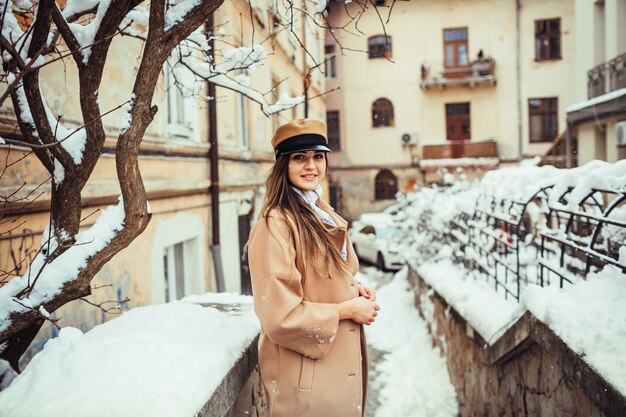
(314,237)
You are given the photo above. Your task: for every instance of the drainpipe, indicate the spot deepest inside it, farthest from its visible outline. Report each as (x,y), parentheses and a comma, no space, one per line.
(306,83)
(215,179)
(568,147)
(518,73)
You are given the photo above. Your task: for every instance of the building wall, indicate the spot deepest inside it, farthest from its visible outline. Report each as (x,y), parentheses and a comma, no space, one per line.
(357,190)
(538,78)
(600,37)
(497,112)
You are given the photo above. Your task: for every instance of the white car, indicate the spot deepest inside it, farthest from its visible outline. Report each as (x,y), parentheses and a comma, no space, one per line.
(373,240)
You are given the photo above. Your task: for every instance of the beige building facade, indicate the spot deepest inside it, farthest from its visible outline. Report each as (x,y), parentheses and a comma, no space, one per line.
(598,118)
(172,258)
(484,80)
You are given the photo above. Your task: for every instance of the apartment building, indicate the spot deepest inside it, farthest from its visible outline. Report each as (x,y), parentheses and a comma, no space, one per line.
(442,85)
(598,118)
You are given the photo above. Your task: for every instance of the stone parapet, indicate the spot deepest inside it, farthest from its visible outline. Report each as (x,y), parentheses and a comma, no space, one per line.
(528,371)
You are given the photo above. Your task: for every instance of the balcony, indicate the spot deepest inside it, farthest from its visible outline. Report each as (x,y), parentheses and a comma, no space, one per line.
(474,74)
(606,77)
(461,149)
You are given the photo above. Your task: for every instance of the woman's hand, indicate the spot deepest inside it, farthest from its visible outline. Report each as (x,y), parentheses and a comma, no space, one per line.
(367,292)
(360,310)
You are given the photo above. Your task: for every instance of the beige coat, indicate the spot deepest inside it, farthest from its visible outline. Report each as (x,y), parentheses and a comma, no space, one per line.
(312,364)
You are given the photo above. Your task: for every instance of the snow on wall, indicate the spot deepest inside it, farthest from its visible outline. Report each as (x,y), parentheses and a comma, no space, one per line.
(162,360)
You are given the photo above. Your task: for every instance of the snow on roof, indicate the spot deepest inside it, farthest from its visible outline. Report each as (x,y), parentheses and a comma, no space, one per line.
(376,219)
(596,100)
(161,360)
(459,162)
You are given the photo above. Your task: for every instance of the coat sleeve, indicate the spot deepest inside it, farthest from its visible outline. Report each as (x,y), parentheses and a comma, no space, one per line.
(288,320)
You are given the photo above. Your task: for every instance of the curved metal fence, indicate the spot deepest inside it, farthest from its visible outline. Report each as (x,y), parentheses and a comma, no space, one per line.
(552,238)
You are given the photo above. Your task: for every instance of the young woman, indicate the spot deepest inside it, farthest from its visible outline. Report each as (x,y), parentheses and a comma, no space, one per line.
(312,351)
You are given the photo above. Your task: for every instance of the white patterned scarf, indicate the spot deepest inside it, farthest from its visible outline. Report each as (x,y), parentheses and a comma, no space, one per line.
(310,197)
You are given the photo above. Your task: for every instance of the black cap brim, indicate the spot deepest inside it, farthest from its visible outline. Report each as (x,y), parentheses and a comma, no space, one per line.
(304,148)
(302,143)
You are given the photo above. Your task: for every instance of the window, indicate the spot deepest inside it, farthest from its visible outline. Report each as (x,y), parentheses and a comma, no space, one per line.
(547,39)
(275,95)
(174,269)
(543,119)
(382,113)
(379,46)
(182,108)
(332,121)
(379,2)
(455,47)
(385,185)
(334,194)
(177,259)
(242,121)
(330,65)
(458,121)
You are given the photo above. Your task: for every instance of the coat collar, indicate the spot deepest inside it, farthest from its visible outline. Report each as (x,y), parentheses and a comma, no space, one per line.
(339,221)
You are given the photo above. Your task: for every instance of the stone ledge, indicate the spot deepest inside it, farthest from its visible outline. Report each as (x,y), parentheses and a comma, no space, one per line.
(610,401)
(529,331)
(228,390)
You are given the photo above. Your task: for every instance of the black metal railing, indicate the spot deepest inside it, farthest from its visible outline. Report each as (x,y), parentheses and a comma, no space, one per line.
(606,77)
(547,239)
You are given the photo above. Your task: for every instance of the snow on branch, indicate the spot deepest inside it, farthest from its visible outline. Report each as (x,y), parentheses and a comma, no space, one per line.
(139,16)
(77,7)
(13,36)
(234,59)
(44,279)
(85,35)
(178,12)
(73,141)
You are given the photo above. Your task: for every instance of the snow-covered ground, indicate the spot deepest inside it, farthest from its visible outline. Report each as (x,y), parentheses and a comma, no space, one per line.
(411,376)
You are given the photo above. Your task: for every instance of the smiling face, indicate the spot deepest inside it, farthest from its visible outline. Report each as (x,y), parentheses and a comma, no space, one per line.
(307,169)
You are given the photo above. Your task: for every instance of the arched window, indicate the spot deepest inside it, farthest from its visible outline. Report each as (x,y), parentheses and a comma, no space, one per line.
(379,46)
(385,185)
(382,113)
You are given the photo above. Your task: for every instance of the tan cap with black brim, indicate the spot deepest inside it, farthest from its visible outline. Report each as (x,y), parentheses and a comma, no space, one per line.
(300,135)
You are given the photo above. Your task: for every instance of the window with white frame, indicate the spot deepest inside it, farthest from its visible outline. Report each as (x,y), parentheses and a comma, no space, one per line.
(178,258)
(242,121)
(176,261)
(174,270)
(330,63)
(182,108)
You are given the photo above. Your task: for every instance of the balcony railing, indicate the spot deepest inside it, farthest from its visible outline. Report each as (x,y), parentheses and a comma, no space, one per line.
(606,77)
(461,149)
(477,72)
